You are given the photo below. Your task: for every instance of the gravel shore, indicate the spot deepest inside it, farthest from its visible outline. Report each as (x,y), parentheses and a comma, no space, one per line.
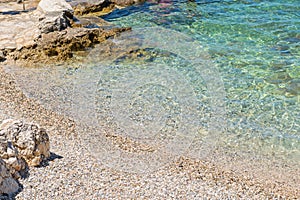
(73,172)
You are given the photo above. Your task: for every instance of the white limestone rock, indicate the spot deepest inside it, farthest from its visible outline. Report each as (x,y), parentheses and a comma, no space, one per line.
(56,15)
(48,6)
(25,141)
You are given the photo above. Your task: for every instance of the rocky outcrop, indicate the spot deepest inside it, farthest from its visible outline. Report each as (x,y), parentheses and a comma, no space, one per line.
(59,6)
(8,185)
(82,7)
(60,45)
(56,15)
(54,22)
(21,145)
(23,142)
(51,33)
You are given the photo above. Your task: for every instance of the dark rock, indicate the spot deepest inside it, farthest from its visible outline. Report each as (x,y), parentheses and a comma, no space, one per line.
(2,56)
(293,87)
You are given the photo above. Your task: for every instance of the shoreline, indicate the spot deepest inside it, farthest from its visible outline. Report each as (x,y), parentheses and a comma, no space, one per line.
(74,171)
(73,156)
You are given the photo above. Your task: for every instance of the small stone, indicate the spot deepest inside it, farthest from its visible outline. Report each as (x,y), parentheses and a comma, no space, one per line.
(2,56)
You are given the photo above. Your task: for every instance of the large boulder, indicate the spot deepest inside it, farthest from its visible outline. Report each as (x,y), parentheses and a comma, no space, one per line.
(48,6)
(21,144)
(54,21)
(26,141)
(10,156)
(56,15)
(8,185)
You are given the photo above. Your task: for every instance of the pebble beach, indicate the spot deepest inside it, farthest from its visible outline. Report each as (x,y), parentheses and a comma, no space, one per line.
(74,171)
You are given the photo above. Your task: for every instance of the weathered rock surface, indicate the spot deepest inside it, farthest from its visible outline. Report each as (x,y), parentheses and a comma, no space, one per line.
(18,31)
(8,185)
(13,7)
(124,3)
(56,15)
(11,156)
(82,7)
(21,145)
(54,22)
(60,45)
(25,141)
(59,6)
(50,34)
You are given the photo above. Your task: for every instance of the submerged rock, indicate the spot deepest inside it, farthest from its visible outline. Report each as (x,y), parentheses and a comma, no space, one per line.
(293,87)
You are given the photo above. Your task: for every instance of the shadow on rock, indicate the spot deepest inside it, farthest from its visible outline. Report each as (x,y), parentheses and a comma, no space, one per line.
(52,157)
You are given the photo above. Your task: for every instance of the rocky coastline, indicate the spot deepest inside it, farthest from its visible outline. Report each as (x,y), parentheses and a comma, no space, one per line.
(41,156)
(52,31)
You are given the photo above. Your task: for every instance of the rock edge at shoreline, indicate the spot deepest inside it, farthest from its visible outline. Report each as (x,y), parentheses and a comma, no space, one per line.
(52,32)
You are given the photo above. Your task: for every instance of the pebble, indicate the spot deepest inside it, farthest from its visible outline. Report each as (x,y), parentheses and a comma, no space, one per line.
(74,173)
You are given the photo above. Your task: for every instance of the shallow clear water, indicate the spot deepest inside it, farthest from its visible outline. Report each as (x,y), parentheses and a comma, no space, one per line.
(205,75)
(255,46)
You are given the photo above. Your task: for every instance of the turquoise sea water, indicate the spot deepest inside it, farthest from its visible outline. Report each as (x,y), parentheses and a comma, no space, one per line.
(191,78)
(255,46)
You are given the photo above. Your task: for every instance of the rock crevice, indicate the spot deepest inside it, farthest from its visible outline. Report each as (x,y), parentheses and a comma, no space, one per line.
(21,145)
